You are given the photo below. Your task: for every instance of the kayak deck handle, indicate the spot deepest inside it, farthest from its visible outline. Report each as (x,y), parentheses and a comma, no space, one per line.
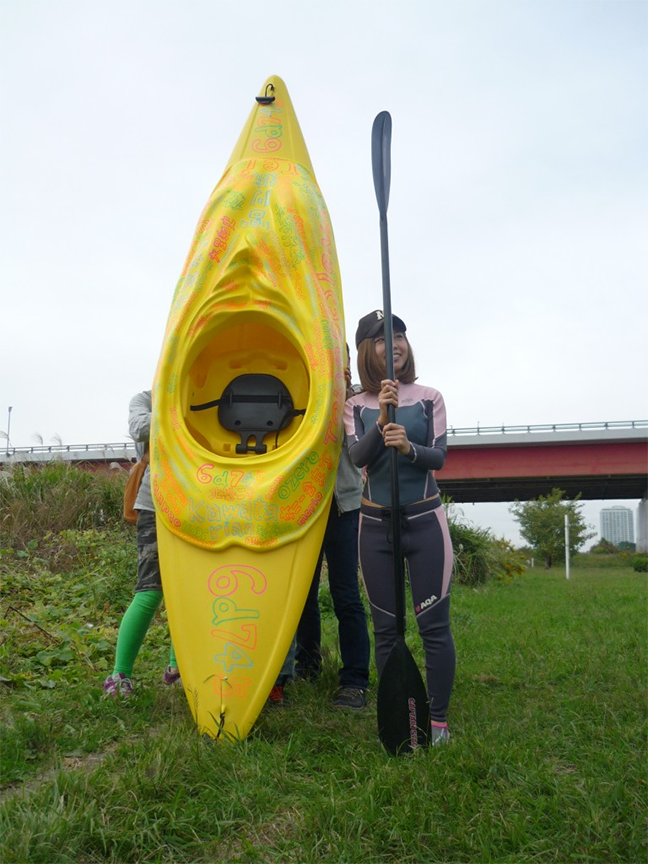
(265,99)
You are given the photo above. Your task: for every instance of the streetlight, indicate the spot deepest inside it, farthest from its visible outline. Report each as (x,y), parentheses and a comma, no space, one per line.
(8,428)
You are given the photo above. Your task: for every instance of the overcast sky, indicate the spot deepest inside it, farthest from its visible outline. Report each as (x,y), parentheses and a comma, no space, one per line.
(518,213)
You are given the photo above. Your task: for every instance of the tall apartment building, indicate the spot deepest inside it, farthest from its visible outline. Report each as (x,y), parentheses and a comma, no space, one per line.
(617,525)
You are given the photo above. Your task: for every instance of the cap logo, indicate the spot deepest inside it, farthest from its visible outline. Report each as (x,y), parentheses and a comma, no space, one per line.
(380,314)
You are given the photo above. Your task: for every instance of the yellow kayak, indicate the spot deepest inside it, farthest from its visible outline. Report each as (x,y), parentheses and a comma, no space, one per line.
(247,409)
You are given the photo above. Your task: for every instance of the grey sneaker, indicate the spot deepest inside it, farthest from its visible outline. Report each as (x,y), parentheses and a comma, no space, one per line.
(439,735)
(350,698)
(118,686)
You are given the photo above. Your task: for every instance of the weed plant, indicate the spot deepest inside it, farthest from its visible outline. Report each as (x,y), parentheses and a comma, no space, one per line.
(640,563)
(479,556)
(36,500)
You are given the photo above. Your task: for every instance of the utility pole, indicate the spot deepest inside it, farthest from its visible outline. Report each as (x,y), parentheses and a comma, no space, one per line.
(8,428)
(566,545)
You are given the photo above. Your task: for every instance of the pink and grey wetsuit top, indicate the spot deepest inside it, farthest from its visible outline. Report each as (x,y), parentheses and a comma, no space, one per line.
(421,410)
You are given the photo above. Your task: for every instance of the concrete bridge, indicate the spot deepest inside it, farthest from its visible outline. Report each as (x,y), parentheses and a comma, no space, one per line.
(607,460)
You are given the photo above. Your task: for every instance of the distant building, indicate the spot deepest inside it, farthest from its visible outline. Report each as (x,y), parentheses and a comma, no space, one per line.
(617,525)
(642,525)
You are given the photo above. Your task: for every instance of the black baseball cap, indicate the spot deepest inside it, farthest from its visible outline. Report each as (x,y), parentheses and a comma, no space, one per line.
(374,323)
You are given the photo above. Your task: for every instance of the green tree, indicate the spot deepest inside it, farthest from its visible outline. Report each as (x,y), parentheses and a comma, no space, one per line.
(604,547)
(542,524)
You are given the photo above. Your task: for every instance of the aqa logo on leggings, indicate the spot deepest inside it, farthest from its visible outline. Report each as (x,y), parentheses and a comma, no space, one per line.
(425,604)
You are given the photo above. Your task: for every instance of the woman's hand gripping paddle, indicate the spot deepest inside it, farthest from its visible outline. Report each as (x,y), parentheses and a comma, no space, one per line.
(403,707)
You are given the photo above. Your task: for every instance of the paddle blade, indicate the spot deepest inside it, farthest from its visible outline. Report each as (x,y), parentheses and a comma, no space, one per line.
(381,159)
(403,707)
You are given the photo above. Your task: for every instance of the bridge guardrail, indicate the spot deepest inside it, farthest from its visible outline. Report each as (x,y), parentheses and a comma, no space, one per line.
(549,427)
(123,448)
(126,449)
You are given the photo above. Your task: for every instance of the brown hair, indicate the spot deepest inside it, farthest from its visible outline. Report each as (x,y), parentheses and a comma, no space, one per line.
(372,371)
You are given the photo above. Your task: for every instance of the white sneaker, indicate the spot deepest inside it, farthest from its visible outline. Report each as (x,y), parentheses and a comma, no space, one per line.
(439,735)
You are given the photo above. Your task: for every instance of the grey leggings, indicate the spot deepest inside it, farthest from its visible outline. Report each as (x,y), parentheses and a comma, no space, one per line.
(427,550)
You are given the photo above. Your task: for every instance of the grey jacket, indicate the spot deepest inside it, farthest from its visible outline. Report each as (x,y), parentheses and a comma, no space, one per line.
(139,428)
(348,483)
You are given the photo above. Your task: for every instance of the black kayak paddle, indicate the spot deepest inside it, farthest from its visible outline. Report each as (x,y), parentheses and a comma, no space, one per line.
(402,704)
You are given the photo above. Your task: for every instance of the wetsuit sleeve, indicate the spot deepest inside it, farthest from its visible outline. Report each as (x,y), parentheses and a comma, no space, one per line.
(432,456)
(363,451)
(427,458)
(364,445)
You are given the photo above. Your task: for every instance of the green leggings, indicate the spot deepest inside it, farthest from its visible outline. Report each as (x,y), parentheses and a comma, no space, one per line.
(133,628)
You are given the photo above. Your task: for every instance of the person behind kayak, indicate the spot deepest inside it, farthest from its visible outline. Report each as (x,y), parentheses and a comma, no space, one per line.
(340,546)
(419,436)
(148,590)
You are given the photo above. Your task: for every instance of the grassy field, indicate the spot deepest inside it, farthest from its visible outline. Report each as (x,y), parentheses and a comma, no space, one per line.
(546,762)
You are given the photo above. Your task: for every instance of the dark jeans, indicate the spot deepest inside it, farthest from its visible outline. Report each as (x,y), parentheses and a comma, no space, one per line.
(341,549)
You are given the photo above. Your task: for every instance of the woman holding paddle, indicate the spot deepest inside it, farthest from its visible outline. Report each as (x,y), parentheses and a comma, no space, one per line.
(419,437)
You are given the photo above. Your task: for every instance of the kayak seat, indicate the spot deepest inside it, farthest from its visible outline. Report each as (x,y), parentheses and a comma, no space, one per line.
(254,406)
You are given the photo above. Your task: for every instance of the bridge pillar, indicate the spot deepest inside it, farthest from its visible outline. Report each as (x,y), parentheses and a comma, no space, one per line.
(642,525)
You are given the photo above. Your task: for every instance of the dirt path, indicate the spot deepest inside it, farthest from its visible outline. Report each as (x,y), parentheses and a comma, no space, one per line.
(85,763)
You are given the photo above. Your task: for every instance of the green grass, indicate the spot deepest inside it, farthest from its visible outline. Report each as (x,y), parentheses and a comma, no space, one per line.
(546,762)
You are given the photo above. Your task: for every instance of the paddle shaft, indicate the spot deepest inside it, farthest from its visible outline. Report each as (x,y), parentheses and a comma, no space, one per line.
(381,163)
(402,703)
